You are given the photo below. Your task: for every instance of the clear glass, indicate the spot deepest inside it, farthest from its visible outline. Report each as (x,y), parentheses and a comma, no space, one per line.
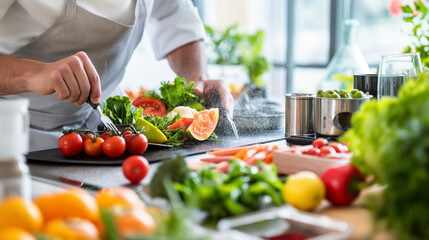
(347,61)
(395,70)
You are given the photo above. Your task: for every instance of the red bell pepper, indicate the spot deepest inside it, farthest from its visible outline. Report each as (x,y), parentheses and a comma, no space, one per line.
(343,184)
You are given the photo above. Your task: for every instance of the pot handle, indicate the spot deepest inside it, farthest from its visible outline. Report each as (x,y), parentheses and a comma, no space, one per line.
(342,121)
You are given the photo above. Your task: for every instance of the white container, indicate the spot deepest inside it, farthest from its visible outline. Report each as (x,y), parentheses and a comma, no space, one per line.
(14,125)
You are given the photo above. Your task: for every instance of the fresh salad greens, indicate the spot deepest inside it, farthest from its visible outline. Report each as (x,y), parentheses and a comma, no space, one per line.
(175,136)
(176,94)
(390,140)
(241,190)
(120,110)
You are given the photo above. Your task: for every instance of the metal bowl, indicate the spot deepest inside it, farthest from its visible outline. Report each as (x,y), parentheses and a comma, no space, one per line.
(332,116)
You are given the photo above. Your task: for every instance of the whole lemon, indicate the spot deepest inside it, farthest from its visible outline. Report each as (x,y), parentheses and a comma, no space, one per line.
(304,190)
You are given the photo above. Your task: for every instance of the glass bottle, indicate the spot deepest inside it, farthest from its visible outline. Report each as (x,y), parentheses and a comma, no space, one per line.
(347,61)
(14,173)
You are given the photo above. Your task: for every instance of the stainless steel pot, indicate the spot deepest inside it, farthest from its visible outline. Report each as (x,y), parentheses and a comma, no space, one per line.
(332,116)
(299,114)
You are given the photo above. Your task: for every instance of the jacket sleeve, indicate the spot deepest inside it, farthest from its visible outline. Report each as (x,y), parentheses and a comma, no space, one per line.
(171,24)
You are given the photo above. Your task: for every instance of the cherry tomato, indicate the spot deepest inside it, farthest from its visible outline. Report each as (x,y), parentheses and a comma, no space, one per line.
(320,142)
(105,135)
(135,168)
(114,146)
(339,148)
(312,151)
(126,132)
(70,144)
(92,148)
(136,143)
(150,105)
(87,136)
(325,150)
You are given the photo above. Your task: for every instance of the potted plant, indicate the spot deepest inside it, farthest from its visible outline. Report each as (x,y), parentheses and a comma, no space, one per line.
(239,58)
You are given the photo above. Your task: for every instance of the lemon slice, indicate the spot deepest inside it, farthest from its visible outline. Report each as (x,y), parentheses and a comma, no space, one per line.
(152,133)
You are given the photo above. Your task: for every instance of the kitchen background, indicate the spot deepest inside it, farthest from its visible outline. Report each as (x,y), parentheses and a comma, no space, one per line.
(299,39)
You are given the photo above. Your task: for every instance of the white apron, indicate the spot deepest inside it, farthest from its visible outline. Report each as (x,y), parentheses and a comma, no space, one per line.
(109,45)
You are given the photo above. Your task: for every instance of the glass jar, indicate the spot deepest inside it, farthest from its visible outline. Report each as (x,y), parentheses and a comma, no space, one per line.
(347,61)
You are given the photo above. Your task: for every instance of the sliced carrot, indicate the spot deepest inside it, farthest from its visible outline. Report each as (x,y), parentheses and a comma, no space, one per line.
(258,156)
(268,159)
(242,153)
(218,159)
(230,151)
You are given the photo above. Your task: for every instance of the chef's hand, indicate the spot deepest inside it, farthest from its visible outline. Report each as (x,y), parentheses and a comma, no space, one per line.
(73,78)
(204,88)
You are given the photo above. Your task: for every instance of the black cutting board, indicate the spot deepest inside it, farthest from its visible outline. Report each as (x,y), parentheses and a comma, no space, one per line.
(157,153)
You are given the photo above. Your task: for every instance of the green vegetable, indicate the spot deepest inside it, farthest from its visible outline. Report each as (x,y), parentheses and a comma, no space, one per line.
(120,110)
(414,13)
(175,136)
(176,94)
(341,94)
(234,193)
(390,140)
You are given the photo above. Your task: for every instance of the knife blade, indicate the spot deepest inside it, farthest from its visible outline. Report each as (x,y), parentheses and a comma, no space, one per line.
(225,125)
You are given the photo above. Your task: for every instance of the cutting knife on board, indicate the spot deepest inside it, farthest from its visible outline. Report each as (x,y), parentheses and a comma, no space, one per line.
(225,125)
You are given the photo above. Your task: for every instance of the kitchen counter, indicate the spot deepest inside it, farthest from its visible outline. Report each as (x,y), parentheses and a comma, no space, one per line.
(94,177)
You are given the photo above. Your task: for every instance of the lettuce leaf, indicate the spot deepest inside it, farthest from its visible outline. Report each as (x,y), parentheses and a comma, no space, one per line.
(120,110)
(390,140)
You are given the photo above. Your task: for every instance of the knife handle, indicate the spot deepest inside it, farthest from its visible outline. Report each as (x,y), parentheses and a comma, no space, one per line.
(93,105)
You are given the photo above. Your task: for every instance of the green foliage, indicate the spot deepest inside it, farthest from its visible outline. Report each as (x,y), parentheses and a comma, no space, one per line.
(243,189)
(176,94)
(234,48)
(175,136)
(390,140)
(120,110)
(419,23)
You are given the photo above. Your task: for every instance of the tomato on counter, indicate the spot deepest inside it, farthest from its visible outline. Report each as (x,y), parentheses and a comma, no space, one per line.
(135,168)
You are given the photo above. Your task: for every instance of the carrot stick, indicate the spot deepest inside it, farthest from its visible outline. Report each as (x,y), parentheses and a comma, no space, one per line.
(230,151)
(217,159)
(242,153)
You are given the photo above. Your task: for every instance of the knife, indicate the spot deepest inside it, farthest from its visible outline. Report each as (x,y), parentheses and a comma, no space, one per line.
(225,125)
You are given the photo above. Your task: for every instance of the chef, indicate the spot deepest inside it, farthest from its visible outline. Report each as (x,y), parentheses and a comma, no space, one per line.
(60,53)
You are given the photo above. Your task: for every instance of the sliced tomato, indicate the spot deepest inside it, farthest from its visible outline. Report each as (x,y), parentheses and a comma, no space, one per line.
(150,105)
(183,122)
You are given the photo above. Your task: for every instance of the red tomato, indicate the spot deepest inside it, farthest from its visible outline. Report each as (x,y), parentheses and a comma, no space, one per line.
(93,149)
(70,144)
(105,135)
(87,136)
(126,132)
(342,184)
(320,142)
(339,148)
(135,168)
(136,143)
(150,105)
(312,151)
(325,150)
(114,146)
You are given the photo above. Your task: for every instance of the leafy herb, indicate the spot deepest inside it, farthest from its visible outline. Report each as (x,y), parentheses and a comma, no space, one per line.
(121,111)
(176,136)
(241,190)
(390,140)
(233,48)
(415,13)
(176,94)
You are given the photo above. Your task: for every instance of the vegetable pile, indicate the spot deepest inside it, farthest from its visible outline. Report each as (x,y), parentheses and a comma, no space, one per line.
(242,189)
(390,140)
(177,93)
(94,144)
(121,111)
